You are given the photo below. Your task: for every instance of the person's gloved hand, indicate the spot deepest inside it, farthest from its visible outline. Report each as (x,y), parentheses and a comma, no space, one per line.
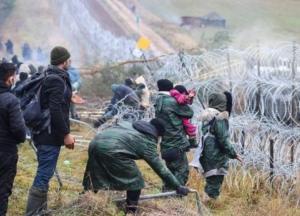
(96,124)
(182,190)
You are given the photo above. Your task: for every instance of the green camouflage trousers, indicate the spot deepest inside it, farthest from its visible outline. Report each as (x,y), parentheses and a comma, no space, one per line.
(180,169)
(213,186)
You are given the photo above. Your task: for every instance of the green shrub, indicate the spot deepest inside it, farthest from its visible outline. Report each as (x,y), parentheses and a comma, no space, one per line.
(100,83)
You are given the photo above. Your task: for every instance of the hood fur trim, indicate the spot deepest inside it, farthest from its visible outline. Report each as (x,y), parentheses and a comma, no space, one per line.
(210,113)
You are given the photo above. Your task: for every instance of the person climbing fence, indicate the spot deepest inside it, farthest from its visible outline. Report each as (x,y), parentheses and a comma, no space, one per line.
(123,96)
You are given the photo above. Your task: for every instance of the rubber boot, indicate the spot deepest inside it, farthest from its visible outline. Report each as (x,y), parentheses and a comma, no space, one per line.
(131,207)
(132,201)
(37,202)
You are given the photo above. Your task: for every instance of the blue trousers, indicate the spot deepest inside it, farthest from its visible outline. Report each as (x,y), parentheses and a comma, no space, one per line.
(47,156)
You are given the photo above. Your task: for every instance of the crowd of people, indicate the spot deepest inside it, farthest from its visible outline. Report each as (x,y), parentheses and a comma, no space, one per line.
(112,153)
(7,48)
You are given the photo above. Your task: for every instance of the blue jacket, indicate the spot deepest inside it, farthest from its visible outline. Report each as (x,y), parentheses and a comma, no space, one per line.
(74,78)
(124,92)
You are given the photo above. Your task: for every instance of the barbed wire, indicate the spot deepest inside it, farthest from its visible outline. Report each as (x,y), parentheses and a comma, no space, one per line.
(265,120)
(265,87)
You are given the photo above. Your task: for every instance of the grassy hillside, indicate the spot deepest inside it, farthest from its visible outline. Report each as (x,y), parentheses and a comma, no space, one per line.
(248,21)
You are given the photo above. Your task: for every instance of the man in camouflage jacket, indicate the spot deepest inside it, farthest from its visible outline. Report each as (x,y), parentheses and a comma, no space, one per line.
(175,142)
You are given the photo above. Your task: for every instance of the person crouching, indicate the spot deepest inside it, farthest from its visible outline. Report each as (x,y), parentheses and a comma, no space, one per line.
(112,154)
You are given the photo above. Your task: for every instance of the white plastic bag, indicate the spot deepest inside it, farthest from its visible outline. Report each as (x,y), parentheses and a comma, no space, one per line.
(197,153)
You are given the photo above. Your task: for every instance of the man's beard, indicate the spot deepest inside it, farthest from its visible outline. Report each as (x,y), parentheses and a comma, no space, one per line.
(66,67)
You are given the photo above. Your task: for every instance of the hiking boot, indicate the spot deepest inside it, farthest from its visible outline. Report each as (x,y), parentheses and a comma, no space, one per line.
(37,202)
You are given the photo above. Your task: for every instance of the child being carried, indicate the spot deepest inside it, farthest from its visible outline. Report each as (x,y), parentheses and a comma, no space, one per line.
(183,97)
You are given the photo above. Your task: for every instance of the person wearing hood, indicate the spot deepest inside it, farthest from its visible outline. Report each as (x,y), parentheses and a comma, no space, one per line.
(143,92)
(123,94)
(55,95)
(12,133)
(23,74)
(217,149)
(175,142)
(112,154)
(22,79)
(24,68)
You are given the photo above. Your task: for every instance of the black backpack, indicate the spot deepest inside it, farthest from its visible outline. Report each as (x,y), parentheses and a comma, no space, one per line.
(36,118)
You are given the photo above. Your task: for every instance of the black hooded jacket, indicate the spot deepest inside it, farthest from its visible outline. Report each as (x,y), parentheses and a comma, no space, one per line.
(56,95)
(12,126)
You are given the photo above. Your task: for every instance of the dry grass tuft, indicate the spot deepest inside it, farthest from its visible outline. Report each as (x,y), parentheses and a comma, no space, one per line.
(242,193)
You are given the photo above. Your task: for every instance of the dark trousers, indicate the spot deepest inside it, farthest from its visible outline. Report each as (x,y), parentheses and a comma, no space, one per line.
(47,156)
(132,200)
(8,170)
(73,111)
(213,186)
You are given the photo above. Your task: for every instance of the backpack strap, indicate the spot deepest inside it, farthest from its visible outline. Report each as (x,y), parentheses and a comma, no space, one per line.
(53,75)
(208,133)
(40,88)
(56,76)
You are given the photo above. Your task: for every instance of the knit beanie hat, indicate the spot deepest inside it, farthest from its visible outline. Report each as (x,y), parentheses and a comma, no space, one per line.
(59,55)
(164,85)
(218,101)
